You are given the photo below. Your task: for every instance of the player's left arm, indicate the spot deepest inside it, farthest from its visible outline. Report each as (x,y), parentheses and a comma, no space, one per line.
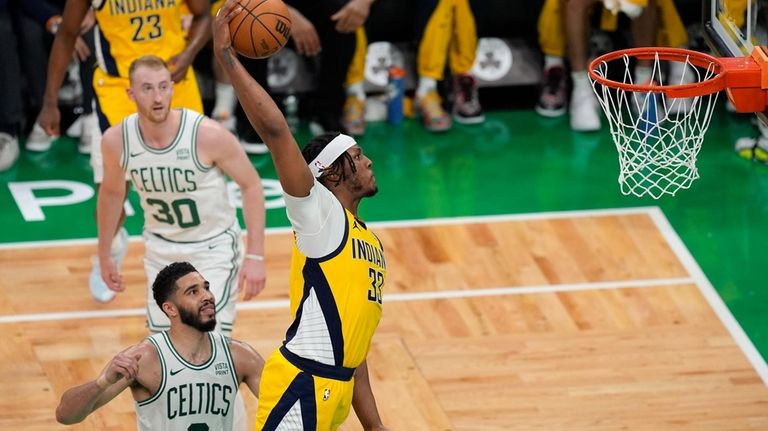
(363,401)
(199,35)
(222,149)
(248,364)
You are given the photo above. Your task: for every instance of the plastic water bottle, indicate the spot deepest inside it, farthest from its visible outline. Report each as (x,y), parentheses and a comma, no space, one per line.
(291,109)
(396,90)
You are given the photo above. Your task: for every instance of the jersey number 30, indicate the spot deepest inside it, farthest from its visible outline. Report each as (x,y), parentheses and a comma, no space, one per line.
(146,27)
(176,213)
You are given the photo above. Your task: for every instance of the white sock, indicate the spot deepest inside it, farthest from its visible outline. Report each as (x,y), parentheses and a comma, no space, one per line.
(357,90)
(643,74)
(580,81)
(225,99)
(425,86)
(553,60)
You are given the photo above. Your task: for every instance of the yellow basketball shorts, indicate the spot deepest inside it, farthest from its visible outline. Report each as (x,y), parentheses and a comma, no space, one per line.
(291,397)
(113,104)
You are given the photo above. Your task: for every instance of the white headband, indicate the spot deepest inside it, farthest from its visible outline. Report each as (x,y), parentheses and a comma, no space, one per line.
(330,153)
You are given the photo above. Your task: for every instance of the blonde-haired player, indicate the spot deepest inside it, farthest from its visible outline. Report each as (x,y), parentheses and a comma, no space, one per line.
(124,32)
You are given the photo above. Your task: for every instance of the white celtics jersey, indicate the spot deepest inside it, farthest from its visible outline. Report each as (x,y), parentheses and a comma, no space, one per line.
(183,200)
(191,397)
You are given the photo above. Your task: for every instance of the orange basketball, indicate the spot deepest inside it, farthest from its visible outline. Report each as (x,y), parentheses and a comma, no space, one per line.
(261,29)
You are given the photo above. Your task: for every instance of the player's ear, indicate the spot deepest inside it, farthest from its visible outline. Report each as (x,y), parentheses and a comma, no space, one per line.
(129,91)
(170,309)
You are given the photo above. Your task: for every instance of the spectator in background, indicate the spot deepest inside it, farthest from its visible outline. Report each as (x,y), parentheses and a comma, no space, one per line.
(86,127)
(11,110)
(328,26)
(446,32)
(556,25)
(32,18)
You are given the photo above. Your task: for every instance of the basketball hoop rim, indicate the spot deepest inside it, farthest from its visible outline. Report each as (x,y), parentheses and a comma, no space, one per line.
(709,86)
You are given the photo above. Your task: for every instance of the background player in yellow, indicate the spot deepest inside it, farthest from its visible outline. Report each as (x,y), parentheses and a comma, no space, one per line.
(125,31)
(167,370)
(337,271)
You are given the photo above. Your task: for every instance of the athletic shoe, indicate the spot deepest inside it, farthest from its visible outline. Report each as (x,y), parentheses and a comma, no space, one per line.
(99,289)
(38,140)
(353,116)
(753,149)
(554,93)
(466,106)
(9,151)
(584,110)
(433,116)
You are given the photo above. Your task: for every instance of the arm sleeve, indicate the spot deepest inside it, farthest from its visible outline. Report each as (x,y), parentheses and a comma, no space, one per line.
(318,221)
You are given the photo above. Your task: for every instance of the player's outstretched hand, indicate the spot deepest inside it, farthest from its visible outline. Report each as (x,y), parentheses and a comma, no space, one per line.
(125,365)
(222,38)
(253,277)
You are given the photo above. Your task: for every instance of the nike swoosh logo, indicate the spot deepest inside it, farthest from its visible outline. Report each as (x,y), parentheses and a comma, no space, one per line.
(174,372)
(212,246)
(137,154)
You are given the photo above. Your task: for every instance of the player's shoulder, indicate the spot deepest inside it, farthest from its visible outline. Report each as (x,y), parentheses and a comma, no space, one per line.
(242,350)
(113,135)
(146,350)
(210,133)
(211,127)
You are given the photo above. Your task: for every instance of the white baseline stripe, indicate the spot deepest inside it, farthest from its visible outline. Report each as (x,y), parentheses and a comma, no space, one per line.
(709,292)
(610,212)
(392,297)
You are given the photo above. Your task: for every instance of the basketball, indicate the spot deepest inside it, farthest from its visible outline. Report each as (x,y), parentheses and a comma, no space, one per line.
(261,29)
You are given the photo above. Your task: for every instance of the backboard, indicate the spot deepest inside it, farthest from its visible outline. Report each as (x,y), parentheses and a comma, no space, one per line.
(731,26)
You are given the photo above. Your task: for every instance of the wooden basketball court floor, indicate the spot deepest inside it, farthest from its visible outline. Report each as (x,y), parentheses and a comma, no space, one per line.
(589,320)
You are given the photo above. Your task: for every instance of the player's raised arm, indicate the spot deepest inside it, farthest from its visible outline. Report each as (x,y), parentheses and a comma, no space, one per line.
(261,110)
(121,372)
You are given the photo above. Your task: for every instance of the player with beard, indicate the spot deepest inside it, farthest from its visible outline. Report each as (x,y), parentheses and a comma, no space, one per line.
(337,269)
(181,379)
(178,161)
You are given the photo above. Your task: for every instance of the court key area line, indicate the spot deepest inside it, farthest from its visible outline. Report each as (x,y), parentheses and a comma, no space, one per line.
(391,297)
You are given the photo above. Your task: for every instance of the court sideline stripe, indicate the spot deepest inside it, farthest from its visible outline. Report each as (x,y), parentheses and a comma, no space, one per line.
(709,293)
(391,297)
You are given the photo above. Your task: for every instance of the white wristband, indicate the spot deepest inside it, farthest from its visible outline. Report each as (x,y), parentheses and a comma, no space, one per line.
(255,257)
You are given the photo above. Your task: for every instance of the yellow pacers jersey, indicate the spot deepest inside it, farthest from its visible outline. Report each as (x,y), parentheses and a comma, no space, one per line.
(129,29)
(336,300)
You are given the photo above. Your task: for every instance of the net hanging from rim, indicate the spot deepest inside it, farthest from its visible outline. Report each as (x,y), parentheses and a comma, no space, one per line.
(658,126)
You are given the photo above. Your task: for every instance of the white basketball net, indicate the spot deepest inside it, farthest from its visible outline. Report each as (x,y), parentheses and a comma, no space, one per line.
(658,138)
